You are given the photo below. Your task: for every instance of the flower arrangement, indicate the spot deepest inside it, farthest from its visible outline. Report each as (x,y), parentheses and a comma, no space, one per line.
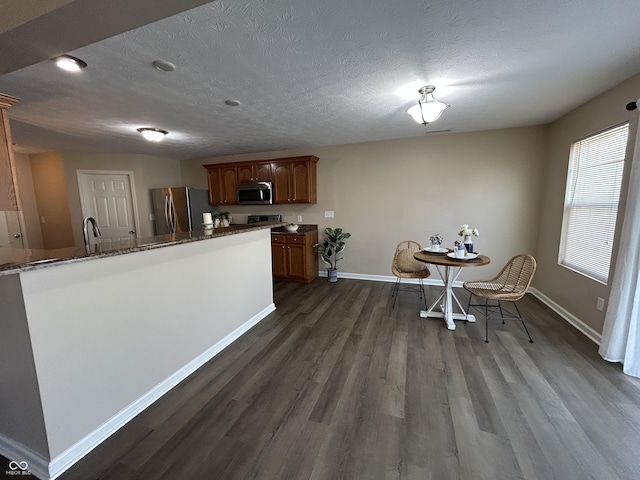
(465,230)
(436,239)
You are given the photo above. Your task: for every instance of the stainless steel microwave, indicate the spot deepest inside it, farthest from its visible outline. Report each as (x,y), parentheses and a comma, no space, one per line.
(255,193)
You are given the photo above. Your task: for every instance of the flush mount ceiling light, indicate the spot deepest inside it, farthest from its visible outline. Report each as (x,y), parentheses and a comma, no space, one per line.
(152,134)
(428,108)
(69,63)
(163,66)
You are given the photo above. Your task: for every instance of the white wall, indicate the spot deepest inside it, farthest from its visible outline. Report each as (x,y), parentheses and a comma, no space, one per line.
(21,418)
(91,343)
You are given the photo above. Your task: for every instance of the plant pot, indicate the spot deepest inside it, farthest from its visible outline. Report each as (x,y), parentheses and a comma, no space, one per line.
(332,275)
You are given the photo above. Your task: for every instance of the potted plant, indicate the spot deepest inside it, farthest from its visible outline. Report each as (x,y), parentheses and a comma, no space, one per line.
(330,249)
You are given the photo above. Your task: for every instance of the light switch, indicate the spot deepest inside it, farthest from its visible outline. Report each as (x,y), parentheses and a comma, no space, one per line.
(299,218)
(328,214)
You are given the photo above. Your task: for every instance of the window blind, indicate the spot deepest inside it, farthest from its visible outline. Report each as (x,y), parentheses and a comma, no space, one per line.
(596,165)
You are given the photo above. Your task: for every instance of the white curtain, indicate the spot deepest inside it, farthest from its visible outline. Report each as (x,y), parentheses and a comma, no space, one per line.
(621,332)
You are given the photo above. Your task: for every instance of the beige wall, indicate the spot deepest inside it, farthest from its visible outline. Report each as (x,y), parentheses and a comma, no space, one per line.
(389,191)
(148,172)
(572,291)
(27,194)
(47,170)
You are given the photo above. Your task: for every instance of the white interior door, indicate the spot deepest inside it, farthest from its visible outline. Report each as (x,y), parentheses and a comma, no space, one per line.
(109,198)
(10,230)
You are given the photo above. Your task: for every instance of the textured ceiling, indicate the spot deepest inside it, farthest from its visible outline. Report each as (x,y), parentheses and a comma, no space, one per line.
(311,73)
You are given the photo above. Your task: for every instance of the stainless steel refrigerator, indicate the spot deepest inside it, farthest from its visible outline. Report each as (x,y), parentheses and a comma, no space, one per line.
(179,209)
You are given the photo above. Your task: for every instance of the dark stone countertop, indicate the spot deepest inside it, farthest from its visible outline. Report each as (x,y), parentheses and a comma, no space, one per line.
(14,260)
(301,229)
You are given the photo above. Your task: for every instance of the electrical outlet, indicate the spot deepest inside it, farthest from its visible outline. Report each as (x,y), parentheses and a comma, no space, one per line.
(328,214)
(299,218)
(152,217)
(600,304)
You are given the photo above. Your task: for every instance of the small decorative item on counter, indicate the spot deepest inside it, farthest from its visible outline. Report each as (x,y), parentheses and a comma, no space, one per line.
(291,227)
(436,241)
(225,219)
(466,232)
(207,220)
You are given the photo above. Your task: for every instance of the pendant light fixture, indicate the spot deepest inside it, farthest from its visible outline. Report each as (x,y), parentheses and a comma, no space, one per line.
(152,134)
(428,108)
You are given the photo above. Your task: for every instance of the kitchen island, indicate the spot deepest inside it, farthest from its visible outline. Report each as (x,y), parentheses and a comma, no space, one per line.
(92,337)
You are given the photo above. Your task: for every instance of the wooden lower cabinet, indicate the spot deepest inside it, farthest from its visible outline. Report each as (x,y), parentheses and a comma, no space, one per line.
(293,258)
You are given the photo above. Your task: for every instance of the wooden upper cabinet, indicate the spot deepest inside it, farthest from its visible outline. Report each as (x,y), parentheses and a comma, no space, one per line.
(294,179)
(281,183)
(259,172)
(223,185)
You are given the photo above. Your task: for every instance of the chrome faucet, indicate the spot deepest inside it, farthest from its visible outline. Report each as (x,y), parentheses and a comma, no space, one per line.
(85,230)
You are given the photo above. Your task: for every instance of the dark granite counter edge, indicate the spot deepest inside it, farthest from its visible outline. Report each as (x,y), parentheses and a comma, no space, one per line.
(304,228)
(22,260)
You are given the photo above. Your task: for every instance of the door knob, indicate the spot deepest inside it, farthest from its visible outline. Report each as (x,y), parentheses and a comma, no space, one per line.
(132,232)
(17,235)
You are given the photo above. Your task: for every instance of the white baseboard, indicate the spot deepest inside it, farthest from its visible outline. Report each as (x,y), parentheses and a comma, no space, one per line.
(585,329)
(37,465)
(44,470)
(388,278)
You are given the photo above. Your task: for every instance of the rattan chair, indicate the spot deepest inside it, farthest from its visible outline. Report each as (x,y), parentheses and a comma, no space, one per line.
(405,266)
(509,285)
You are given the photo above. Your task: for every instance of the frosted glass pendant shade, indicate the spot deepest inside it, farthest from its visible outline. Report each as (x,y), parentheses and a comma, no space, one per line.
(428,108)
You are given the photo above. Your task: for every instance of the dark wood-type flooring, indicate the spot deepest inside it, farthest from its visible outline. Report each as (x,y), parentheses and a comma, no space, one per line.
(337,385)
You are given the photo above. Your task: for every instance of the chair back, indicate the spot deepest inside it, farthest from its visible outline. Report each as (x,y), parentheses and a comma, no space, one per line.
(403,264)
(515,277)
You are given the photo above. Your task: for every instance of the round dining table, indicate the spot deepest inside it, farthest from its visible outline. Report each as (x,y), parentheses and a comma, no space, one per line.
(449,269)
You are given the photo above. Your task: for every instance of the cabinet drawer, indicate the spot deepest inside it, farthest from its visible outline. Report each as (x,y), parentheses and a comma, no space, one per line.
(299,239)
(278,238)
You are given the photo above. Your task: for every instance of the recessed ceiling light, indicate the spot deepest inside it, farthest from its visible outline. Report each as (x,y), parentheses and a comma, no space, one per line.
(69,63)
(153,134)
(163,66)
(232,103)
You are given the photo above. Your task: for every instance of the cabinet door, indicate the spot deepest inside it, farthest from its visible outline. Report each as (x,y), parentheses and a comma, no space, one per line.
(296,256)
(229,185)
(279,259)
(262,172)
(215,186)
(245,174)
(281,185)
(300,182)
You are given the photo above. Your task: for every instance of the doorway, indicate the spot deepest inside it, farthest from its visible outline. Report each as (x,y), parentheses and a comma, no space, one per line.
(109,197)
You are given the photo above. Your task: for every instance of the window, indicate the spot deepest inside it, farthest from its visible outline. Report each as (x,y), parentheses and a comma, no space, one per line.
(596,164)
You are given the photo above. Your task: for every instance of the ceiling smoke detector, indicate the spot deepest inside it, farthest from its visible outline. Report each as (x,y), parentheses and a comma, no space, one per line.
(163,65)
